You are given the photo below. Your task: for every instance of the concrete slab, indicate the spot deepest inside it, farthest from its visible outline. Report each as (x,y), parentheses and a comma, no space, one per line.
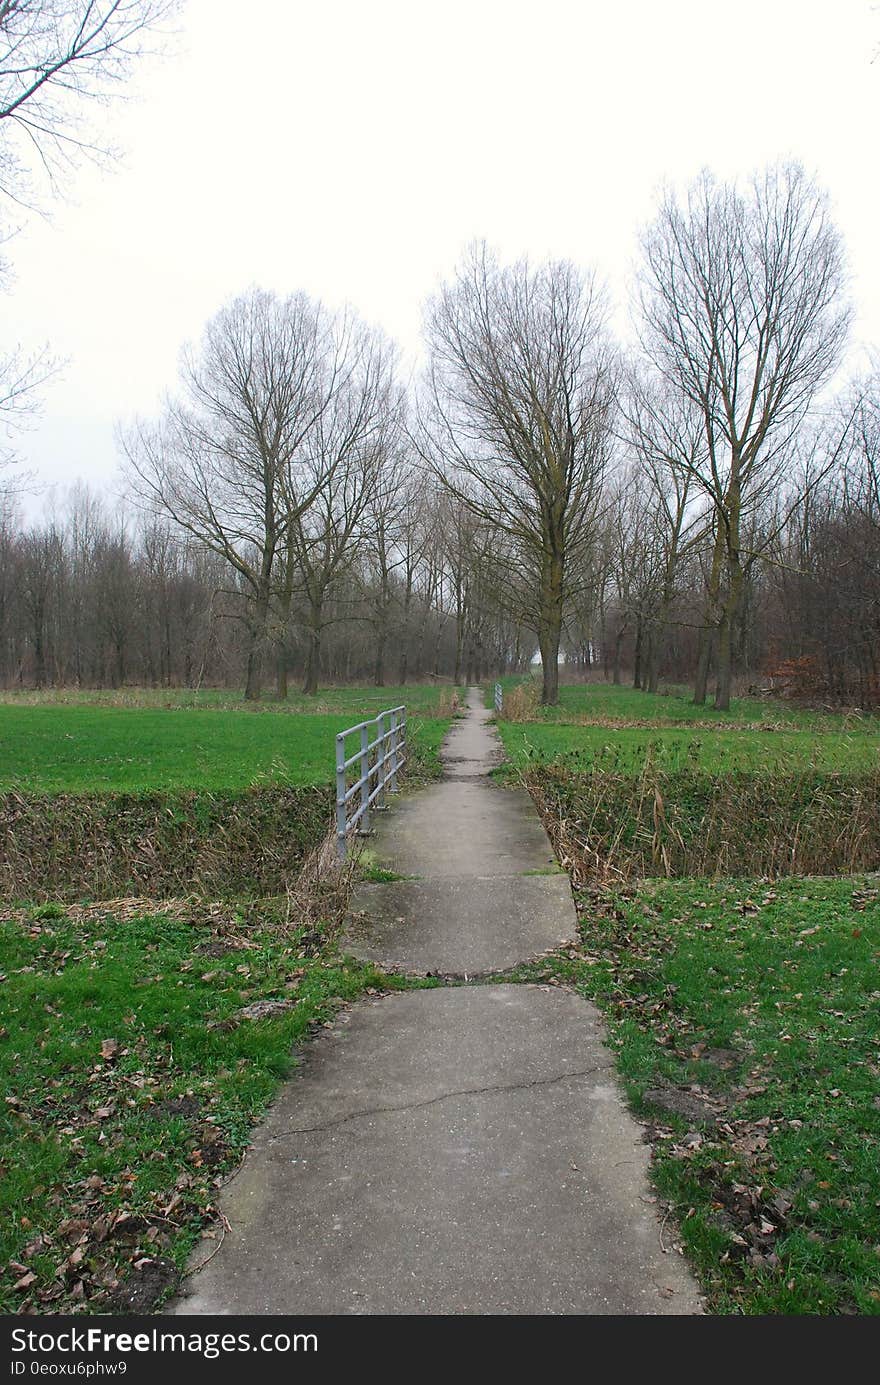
(462,827)
(472,748)
(456,1151)
(471,842)
(460,925)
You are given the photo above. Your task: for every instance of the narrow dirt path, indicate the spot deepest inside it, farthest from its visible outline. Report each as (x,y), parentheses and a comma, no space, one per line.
(463,1150)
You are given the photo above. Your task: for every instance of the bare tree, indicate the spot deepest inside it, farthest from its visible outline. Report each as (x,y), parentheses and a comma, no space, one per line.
(517,420)
(664,432)
(226,461)
(21,378)
(388,533)
(57,59)
(742,312)
(343,461)
(420,571)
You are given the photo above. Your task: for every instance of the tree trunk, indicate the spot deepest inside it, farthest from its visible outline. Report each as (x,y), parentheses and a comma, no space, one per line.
(254,680)
(725,638)
(281,677)
(704,659)
(548,643)
(637,657)
(618,644)
(649,675)
(313,657)
(732,605)
(550,632)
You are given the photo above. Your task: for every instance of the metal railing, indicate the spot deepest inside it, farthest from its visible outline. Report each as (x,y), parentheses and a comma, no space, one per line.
(499,697)
(378,762)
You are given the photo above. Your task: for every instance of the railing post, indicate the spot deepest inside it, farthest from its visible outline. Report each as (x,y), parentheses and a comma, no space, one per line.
(364,825)
(340,797)
(381,770)
(392,777)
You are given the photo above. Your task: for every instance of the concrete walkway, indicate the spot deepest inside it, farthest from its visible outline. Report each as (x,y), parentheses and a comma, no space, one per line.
(463,1150)
(484,892)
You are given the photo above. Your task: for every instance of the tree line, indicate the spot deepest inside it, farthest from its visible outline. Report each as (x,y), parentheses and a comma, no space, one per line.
(700,506)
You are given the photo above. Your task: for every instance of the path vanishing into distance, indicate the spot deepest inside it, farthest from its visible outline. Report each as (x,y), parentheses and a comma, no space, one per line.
(459,1150)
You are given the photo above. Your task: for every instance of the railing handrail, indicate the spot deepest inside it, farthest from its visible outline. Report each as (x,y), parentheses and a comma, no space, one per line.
(373,720)
(373,779)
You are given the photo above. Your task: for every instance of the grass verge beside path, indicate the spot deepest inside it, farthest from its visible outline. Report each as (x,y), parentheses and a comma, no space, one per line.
(132,1080)
(745,1021)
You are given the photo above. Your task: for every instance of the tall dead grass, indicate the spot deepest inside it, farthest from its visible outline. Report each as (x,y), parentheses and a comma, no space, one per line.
(159,845)
(692,822)
(521,702)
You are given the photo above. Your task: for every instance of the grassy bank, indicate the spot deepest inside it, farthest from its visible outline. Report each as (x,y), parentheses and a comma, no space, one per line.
(745,1021)
(691,822)
(99,802)
(99,846)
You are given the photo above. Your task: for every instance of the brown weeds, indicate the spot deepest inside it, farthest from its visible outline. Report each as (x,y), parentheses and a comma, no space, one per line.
(609,825)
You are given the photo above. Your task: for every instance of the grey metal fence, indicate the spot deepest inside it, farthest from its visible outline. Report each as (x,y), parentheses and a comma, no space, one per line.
(499,697)
(375,764)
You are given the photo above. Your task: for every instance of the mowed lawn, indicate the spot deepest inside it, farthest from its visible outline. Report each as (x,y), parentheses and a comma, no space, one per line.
(626,749)
(82,748)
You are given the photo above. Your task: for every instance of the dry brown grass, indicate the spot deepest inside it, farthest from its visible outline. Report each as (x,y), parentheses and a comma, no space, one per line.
(159,845)
(610,826)
(521,702)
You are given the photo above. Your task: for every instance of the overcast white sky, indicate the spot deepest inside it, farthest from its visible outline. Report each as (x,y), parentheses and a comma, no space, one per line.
(353,149)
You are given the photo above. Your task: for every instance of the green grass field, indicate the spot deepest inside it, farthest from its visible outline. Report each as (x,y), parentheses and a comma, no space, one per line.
(603,702)
(744,1017)
(587,748)
(84,748)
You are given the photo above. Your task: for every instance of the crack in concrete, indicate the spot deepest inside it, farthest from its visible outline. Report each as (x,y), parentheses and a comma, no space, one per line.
(466,978)
(444,1096)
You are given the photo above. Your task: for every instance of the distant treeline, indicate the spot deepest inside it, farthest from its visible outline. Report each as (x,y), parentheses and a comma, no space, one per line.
(698,509)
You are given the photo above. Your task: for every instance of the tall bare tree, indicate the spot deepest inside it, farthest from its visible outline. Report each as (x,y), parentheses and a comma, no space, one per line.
(344,457)
(664,432)
(742,311)
(517,418)
(226,462)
